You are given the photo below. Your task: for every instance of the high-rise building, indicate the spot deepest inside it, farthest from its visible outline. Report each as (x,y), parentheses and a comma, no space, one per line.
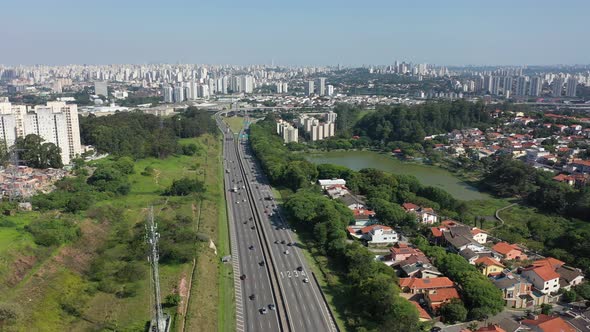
(536,86)
(168,93)
(557,87)
(178,93)
(329,90)
(487,83)
(521,86)
(285,87)
(56,122)
(572,84)
(308,88)
(279,87)
(247,84)
(507,85)
(101,88)
(331,116)
(321,86)
(495,87)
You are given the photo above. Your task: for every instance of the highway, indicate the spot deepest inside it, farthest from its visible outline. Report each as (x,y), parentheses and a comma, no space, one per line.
(283,279)
(247,254)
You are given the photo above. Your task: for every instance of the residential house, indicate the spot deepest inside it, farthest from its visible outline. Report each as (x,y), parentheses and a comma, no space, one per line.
(545,323)
(578,165)
(543,278)
(376,235)
(509,251)
(436,298)
(569,276)
(516,291)
(423,314)
(424,214)
(414,285)
(479,235)
(363,217)
(489,266)
(490,328)
(337,190)
(352,201)
(474,251)
(456,241)
(330,182)
(401,251)
(418,266)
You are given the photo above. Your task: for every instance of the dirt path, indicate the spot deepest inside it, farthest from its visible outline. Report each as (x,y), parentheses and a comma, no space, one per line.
(497,214)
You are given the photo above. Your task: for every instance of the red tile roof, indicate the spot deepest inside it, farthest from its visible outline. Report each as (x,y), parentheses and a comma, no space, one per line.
(410,206)
(545,272)
(549,324)
(436,232)
(367,229)
(428,283)
(553,263)
(443,294)
(490,328)
(487,261)
(504,247)
(421,311)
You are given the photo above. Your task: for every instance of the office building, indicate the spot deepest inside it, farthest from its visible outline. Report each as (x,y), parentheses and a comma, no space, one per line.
(308,88)
(321,86)
(536,86)
(557,87)
(56,122)
(572,84)
(101,88)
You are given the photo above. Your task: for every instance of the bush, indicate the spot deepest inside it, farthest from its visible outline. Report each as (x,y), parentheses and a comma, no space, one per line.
(172,300)
(148,171)
(53,232)
(190,149)
(7,223)
(453,311)
(184,187)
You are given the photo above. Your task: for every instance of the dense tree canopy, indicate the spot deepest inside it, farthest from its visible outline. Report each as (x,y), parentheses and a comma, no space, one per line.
(413,123)
(35,153)
(139,135)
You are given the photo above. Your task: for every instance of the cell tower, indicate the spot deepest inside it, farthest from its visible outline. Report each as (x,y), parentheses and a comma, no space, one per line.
(160,321)
(14,193)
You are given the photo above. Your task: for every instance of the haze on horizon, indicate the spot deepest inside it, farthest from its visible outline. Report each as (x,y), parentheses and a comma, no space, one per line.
(455,32)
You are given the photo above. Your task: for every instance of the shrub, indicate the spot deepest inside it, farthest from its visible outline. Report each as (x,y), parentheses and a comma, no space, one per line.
(53,232)
(184,187)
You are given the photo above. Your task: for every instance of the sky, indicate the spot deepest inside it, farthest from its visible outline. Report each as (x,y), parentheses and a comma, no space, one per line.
(295,32)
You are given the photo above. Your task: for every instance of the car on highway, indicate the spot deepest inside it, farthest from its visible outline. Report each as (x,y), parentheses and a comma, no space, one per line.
(251,247)
(306,280)
(263,311)
(261,263)
(253,297)
(271,306)
(243,277)
(282,241)
(286,252)
(253,227)
(300,268)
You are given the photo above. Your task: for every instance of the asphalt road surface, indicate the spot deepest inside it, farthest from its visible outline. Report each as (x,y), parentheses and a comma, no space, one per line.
(300,301)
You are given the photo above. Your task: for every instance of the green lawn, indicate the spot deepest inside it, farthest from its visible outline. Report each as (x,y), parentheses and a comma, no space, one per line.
(235,123)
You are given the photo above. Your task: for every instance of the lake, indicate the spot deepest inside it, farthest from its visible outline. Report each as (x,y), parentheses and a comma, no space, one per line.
(428,175)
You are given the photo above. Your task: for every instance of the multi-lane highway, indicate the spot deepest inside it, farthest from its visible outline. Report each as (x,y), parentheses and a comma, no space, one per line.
(255,300)
(269,261)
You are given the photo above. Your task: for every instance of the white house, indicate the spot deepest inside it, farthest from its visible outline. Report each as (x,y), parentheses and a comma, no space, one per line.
(543,277)
(330,182)
(375,235)
(479,236)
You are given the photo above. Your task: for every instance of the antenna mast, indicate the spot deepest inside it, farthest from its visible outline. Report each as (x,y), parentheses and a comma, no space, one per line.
(160,321)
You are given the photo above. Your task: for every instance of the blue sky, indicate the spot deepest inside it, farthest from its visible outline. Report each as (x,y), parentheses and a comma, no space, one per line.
(301,32)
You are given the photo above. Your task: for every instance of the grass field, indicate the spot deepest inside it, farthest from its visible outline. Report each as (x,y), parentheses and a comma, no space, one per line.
(235,123)
(61,271)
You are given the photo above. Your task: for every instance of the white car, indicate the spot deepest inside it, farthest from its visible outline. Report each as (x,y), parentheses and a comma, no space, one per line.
(306,280)
(286,252)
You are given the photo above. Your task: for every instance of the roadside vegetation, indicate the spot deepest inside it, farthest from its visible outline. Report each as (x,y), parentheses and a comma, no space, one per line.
(77,261)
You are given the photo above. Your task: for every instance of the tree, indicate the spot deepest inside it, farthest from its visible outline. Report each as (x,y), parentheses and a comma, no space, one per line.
(9,314)
(173,300)
(453,311)
(569,296)
(184,187)
(34,153)
(546,308)
(583,291)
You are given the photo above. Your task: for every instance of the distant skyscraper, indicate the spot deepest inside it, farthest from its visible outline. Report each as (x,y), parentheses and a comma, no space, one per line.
(536,86)
(101,88)
(507,85)
(247,84)
(495,88)
(168,93)
(572,83)
(487,83)
(309,88)
(521,86)
(557,87)
(329,90)
(321,86)
(178,93)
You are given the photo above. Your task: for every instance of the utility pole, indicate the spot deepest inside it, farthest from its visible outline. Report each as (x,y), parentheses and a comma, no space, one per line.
(14,161)
(160,321)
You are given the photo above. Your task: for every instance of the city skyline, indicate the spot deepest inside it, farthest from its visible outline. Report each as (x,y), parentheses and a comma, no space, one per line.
(295,34)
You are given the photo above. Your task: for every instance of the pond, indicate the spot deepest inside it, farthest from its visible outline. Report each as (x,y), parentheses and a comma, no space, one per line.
(428,175)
